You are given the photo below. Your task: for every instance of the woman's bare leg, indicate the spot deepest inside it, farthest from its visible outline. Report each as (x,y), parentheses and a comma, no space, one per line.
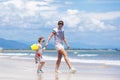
(66,58)
(58,60)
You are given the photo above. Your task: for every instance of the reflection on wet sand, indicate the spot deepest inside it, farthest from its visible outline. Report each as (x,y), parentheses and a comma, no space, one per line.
(64,76)
(55,76)
(39,77)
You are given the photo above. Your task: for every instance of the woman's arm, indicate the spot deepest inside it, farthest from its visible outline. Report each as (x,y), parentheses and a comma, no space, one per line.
(66,43)
(49,37)
(64,39)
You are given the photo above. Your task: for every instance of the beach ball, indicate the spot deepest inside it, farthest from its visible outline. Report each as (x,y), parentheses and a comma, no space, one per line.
(34,47)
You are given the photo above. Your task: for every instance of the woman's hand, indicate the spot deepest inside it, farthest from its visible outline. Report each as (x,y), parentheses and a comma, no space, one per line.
(44,49)
(68,47)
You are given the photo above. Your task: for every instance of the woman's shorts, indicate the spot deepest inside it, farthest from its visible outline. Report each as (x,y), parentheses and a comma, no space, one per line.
(59,46)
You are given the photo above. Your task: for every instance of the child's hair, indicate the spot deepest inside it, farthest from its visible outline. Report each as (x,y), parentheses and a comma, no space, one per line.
(39,39)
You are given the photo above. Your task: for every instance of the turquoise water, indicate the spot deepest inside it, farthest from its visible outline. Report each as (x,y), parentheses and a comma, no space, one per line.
(93,55)
(97,57)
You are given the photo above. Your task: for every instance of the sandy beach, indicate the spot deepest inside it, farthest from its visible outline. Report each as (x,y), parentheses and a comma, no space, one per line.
(12,68)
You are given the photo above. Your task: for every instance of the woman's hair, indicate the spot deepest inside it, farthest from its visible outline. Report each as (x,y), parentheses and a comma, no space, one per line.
(39,39)
(60,22)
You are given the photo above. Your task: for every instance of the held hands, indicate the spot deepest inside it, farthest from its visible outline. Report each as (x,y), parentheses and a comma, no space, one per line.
(44,49)
(68,47)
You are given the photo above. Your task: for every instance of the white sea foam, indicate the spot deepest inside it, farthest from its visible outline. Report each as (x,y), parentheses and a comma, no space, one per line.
(3,56)
(50,58)
(107,62)
(75,52)
(18,57)
(31,56)
(82,55)
(13,54)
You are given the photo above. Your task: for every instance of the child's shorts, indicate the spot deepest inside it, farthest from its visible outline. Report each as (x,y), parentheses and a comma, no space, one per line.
(40,59)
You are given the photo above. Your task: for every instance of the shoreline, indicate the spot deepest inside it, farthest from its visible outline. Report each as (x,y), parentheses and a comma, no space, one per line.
(5,51)
(21,69)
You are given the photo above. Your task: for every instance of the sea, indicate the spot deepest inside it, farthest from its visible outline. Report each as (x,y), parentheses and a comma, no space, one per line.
(108,57)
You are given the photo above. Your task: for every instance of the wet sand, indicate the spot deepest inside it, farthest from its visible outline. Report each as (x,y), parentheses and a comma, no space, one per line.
(25,69)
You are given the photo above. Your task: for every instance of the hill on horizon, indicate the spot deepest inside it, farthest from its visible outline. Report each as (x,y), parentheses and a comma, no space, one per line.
(11,44)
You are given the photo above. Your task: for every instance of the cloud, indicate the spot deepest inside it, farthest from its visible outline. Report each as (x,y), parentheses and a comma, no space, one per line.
(106,15)
(29,13)
(36,17)
(68,3)
(102,1)
(26,12)
(71,19)
(95,22)
(116,38)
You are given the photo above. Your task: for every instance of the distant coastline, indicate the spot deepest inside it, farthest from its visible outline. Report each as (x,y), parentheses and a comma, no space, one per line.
(53,50)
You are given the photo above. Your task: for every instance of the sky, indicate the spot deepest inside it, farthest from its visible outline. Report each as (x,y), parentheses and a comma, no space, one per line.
(88,23)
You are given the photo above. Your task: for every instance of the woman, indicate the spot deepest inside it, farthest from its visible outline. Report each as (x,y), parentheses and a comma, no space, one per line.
(59,37)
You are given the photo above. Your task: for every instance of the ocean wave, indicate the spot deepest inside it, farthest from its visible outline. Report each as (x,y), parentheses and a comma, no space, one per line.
(31,56)
(107,62)
(24,58)
(83,55)
(13,54)
(75,52)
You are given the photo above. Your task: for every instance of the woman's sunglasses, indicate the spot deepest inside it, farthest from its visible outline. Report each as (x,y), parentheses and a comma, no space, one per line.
(60,23)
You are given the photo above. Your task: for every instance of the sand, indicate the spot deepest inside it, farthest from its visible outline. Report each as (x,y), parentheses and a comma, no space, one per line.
(12,68)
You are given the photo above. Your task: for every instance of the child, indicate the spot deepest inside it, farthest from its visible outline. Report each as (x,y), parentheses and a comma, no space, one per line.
(38,56)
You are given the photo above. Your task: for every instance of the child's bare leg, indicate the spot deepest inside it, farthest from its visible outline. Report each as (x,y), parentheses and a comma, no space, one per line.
(41,65)
(36,60)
